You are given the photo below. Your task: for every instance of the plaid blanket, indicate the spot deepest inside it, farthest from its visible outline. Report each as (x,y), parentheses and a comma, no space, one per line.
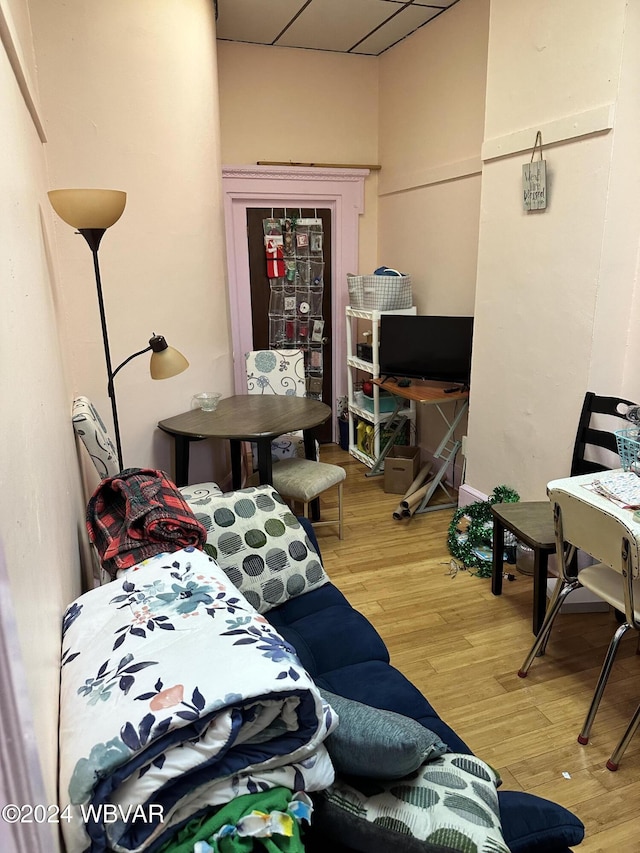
(137,514)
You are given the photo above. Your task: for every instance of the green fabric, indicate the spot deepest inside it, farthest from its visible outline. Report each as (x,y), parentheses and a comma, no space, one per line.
(201,829)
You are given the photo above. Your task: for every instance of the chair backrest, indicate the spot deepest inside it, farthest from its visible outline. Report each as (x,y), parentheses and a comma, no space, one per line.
(595,447)
(276,371)
(89,426)
(594,527)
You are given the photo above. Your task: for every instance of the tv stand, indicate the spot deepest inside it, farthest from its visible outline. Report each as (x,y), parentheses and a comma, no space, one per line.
(427,393)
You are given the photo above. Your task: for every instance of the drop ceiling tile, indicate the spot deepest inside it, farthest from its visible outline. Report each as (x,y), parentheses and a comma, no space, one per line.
(434,4)
(396,29)
(324,24)
(255,20)
(336,24)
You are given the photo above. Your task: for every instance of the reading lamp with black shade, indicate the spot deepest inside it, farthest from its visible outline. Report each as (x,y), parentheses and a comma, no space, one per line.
(91,212)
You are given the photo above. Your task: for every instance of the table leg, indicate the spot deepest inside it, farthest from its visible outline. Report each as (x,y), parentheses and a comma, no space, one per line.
(309,444)
(265,462)
(540,561)
(310,453)
(498,554)
(235,448)
(181,459)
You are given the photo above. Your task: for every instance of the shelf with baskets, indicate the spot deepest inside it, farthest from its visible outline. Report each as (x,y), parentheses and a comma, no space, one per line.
(372,411)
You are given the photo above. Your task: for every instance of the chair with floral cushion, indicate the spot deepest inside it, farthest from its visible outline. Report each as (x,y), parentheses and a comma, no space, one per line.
(90,428)
(278,371)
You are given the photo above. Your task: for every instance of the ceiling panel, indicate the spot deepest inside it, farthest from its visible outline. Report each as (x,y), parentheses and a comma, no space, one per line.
(357,26)
(396,29)
(255,20)
(336,24)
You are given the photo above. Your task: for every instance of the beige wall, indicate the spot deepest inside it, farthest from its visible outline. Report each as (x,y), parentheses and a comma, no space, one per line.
(418,110)
(432,90)
(279,103)
(555,288)
(128,97)
(284,104)
(40,500)
(130,100)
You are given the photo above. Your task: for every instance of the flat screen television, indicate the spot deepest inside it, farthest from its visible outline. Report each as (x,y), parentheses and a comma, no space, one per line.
(426,347)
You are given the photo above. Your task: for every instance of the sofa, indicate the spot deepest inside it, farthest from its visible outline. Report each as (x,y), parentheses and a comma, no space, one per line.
(274,560)
(345,655)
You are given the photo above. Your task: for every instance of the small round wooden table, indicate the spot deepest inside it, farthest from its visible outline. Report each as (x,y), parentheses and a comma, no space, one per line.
(245,417)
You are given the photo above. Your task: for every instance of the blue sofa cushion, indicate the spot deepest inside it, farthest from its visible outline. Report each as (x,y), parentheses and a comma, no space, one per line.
(326,631)
(377,683)
(377,743)
(532,824)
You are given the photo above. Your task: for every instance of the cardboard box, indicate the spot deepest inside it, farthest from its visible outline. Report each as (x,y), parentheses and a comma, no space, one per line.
(401,467)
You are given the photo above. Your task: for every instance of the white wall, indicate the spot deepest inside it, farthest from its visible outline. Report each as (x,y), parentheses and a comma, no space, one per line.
(554,288)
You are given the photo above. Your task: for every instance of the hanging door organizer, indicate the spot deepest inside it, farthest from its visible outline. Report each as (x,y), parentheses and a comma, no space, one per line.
(295,269)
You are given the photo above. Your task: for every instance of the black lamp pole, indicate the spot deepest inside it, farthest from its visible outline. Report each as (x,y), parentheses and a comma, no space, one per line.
(93,236)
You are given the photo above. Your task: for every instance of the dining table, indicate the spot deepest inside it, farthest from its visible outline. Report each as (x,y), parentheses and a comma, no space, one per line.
(258,418)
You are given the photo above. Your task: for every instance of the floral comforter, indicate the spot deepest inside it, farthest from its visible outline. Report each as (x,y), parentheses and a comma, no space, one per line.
(176,696)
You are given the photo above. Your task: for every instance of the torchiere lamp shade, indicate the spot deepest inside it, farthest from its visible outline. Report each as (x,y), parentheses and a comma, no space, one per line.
(91,212)
(85,208)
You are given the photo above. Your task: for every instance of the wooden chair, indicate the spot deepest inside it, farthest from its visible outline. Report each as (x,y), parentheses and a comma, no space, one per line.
(615,578)
(531,522)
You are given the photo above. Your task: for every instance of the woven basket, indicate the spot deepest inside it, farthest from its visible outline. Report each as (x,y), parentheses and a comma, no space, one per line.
(379,292)
(628,441)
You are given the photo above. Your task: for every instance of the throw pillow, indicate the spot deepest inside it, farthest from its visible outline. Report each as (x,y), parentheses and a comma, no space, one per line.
(262,547)
(377,743)
(450,803)
(201,498)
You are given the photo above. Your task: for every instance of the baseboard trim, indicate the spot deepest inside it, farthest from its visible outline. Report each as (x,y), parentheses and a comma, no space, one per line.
(468,495)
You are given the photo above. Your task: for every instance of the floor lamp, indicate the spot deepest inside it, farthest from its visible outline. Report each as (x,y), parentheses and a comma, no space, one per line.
(91,212)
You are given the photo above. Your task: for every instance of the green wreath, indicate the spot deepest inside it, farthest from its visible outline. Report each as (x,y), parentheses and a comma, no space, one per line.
(471,528)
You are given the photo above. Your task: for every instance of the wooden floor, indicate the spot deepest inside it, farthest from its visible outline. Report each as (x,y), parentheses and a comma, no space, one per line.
(462,646)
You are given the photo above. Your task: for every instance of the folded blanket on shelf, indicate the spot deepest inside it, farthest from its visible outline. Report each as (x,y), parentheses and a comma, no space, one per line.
(176,695)
(137,514)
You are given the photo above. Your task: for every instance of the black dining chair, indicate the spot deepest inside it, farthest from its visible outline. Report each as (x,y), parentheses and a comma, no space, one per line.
(595,449)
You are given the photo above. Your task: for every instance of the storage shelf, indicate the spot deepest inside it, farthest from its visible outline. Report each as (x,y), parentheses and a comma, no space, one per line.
(360,456)
(358,413)
(360,364)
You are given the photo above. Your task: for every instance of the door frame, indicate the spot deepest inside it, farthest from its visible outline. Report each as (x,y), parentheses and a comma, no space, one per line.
(339,190)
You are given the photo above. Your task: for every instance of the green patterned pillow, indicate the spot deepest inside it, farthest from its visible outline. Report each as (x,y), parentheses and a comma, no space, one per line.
(262,547)
(450,804)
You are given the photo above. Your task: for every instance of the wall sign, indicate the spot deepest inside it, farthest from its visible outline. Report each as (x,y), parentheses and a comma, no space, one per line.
(534,180)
